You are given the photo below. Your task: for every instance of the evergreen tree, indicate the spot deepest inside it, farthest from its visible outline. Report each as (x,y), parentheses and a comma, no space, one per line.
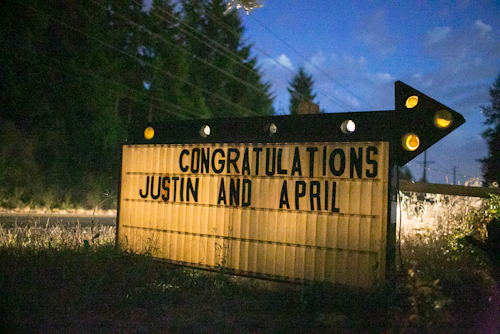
(405,173)
(74,75)
(491,164)
(231,82)
(300,90)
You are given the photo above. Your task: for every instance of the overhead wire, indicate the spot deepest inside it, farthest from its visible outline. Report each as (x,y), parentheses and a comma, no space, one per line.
(442,171)
(307,61)
(334,99)
(142,62)
(202,60)
(236,58)
(119,85)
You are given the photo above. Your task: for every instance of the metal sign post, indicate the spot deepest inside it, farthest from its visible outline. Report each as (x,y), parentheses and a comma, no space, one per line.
(305,197)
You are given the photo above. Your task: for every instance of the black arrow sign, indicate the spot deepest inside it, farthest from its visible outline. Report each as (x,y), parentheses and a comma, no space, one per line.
(417,123)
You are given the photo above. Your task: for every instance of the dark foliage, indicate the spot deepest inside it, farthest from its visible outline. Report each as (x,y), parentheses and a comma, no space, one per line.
(300,90)
(491,164)
(74,75)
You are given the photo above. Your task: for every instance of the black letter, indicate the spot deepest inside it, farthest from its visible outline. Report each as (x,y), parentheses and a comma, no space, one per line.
(374,150)
(280,171)
(185,168)
(284,196)
(205,160)
(222,192)
(356,161)
(166,188)
(175,178)
(247,188)
(273,169)
(311,151)
(245,166)
(300,193)
(234,192)
(257,151)
(296,167)
(315,194)
(194,191)
(231,161)
(334,195)
(147,189)
(182,189)
(195,159)
(221,162)
(152,185)
(326,195)
(340,171)
(324,162)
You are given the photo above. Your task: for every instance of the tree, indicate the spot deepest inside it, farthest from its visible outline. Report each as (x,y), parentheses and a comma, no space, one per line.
(300,90)
(221,67)
(491,164)
(74,75)
(405,173)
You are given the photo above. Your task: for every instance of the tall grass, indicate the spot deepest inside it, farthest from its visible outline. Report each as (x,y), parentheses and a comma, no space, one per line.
(55,278)
(447,279)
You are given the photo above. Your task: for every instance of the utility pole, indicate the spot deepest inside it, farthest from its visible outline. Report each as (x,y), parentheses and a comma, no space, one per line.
(424,177)
(454,175)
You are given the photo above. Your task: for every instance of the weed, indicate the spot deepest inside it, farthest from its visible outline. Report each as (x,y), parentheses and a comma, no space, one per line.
(55,278)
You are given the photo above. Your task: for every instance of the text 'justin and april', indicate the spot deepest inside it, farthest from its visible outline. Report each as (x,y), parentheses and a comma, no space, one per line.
(351,162)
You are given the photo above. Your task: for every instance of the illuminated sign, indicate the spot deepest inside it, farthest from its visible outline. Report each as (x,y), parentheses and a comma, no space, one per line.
(285,197)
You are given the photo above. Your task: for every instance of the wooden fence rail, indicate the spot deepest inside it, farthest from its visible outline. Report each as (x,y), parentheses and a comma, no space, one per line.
(447,189)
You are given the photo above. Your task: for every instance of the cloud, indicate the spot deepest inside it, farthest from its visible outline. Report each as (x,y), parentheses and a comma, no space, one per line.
(380,77)
(278,71)
(437,34)
(483,27)
(281,61)
(467,58)
(375,35)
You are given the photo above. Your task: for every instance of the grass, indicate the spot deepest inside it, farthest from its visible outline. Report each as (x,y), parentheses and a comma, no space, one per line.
(55,279)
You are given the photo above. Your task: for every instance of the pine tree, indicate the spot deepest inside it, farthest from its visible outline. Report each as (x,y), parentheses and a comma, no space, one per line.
(229,79)
(491,164)
(300,90)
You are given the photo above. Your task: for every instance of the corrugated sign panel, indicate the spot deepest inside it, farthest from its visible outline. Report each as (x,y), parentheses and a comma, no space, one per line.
(308,211)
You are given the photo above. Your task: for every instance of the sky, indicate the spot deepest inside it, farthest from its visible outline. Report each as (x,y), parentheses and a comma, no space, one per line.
(356,50)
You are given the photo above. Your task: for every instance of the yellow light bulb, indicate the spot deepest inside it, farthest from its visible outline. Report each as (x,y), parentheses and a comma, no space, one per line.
(442,119)
(411,142)
(411,102)
(149,133)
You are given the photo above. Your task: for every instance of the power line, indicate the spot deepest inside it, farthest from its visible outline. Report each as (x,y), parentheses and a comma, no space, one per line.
(337,101)
(238,59)
(119,85)
(334,99)
(440,171)
(142,62)
(303,57)
(202,60)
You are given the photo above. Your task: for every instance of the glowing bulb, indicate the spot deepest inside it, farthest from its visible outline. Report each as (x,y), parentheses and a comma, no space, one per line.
(411,142)
(442,119)
(149,133)
(205,131)
(348,126)
(273,128)
(411,102)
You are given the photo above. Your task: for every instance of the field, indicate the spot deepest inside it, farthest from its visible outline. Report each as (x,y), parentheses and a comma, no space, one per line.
(59,279)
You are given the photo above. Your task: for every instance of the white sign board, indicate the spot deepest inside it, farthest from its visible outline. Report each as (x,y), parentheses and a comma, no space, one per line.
(289,211)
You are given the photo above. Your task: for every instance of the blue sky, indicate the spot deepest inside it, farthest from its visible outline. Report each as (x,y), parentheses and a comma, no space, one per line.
(356,50)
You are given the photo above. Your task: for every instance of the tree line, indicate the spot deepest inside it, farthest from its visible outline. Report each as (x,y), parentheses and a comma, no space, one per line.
(75,74)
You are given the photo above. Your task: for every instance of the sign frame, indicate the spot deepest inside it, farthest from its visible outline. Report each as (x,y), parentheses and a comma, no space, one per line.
(372,126)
